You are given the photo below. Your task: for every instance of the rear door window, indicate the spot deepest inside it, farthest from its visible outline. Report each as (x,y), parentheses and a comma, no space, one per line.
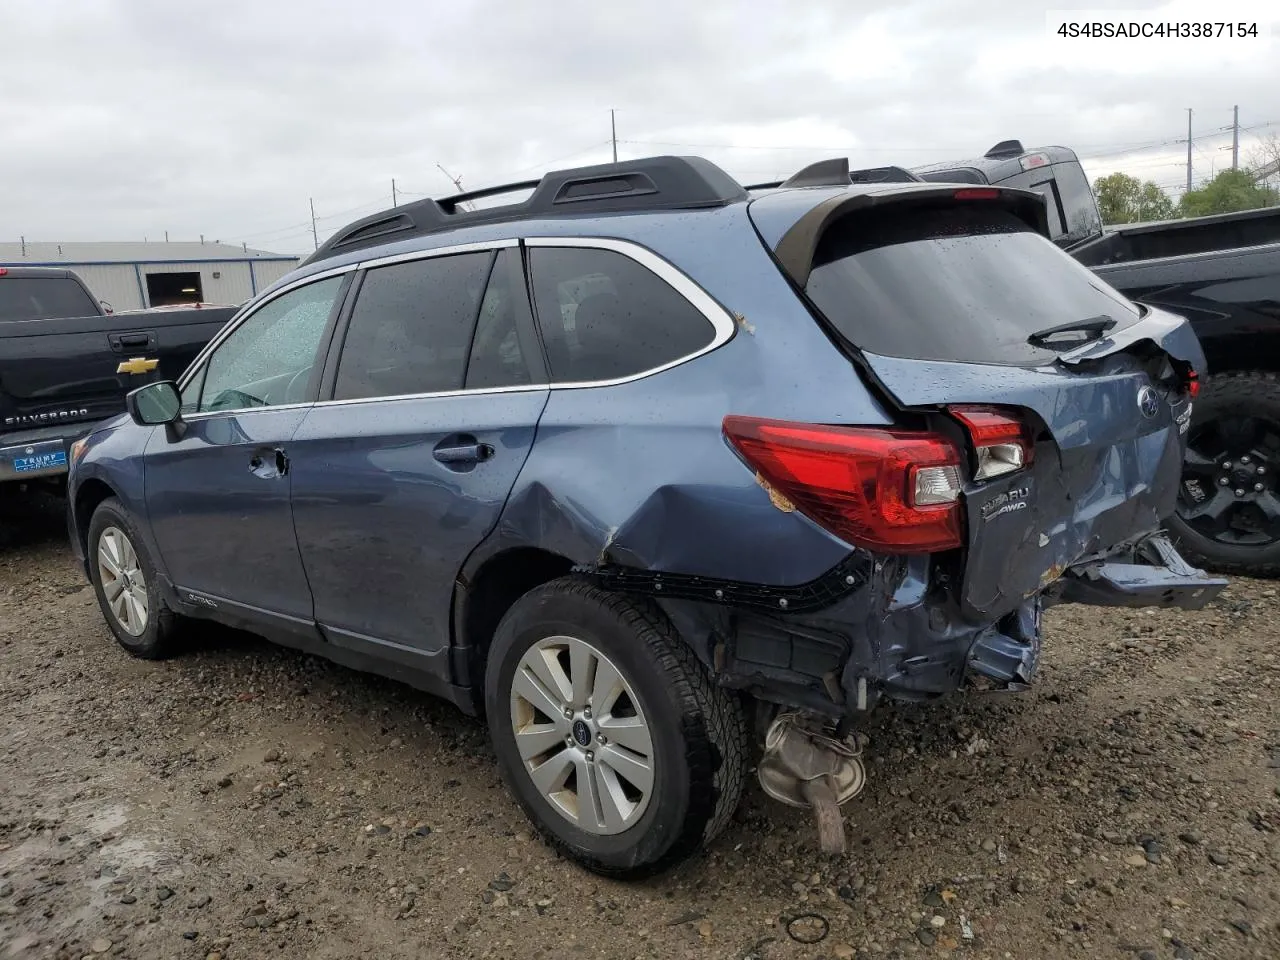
(43,298)
(411,327)
(498,356)
(604,316)
(968,283)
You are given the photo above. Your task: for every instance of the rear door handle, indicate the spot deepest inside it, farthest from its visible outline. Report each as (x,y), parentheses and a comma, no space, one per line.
(462,454)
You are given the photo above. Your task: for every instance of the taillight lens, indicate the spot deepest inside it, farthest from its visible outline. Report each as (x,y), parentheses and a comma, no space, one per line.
(891,491)
(1193,384)
(1002,441)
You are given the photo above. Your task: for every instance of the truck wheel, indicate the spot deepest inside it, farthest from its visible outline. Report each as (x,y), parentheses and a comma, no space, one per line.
(608,730)
(124,578)
(1228,514)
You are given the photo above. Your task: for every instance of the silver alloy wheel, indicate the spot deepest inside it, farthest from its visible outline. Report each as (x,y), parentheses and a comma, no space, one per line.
(583,737)
(123,584)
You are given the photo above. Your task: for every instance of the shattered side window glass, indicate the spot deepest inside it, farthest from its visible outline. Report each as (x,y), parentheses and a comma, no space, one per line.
(604,316)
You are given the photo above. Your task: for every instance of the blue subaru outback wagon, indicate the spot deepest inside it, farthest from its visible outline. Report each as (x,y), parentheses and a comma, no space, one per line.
(665,477)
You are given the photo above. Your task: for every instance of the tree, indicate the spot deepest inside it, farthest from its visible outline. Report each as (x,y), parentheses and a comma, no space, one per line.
(1126,199)
(1229,191)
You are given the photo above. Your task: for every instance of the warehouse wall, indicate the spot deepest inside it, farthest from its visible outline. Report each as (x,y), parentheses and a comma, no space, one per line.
(118,283)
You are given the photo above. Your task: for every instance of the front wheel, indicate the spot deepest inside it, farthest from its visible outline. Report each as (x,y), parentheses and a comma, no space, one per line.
(1228,513)
(125,581)
(609,731)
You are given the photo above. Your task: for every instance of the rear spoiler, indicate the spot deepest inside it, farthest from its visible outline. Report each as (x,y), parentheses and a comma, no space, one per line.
(796,248)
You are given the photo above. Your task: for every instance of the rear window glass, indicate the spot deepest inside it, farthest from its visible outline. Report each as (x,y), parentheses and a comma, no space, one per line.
(38,298)
(967,283)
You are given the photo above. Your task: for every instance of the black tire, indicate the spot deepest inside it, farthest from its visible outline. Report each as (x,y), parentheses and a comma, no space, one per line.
(699,733)
(1233,394)
(156,640)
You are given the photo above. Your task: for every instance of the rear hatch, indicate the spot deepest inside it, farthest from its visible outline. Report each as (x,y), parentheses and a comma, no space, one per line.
(952,297)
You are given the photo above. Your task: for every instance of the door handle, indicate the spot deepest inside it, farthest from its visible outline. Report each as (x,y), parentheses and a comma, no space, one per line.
(464,453)
(269,464)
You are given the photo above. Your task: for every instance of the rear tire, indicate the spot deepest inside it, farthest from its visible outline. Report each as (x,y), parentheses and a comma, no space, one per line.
(127,586)
(1231,399)
(693,745)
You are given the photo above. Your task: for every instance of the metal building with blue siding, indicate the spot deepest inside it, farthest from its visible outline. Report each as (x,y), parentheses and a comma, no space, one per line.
(132,276)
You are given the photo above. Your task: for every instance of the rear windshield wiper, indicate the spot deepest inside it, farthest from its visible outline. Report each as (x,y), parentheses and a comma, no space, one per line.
(1093,328)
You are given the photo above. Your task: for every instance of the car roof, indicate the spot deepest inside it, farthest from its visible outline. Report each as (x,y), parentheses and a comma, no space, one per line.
(589,201)
(1002,161)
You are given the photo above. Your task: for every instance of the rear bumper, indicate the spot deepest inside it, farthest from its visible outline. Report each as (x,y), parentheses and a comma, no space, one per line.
(1150,574)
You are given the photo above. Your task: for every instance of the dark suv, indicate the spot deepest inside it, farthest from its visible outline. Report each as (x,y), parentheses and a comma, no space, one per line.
(647,462)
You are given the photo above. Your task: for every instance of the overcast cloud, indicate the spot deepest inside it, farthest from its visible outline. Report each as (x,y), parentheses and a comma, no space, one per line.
(126,118)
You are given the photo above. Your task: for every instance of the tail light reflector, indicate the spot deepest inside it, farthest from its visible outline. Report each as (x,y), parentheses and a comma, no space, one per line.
(1002,442)
(891,491)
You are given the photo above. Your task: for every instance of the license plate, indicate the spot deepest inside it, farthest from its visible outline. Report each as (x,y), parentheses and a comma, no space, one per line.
(40,461)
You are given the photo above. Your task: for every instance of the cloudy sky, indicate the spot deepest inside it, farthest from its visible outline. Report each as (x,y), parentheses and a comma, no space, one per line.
(126,118)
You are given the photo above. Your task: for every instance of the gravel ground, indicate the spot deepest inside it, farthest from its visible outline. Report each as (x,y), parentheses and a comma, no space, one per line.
(247,801)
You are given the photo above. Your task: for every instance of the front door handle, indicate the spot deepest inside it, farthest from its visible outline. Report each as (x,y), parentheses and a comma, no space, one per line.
(464,453)
(269,464)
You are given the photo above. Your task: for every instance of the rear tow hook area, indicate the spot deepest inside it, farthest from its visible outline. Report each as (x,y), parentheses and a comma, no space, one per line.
(805,767)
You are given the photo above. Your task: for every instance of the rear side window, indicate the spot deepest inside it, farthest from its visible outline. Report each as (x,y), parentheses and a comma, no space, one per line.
(968,283)
(410,330)
(43,298)
(604,316)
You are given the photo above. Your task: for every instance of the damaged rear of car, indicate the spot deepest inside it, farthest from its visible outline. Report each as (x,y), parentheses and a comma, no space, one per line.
(1033,431)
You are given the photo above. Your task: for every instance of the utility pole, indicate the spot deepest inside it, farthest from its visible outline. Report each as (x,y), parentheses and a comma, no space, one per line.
(613,135)
(314,236)
(393,192)
(1235,138)
(1188,149)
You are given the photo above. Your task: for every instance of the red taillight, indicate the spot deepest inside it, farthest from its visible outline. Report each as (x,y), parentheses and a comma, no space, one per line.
(892,491)
(1193,384)
(1002,442)
(977,193)
(3,271)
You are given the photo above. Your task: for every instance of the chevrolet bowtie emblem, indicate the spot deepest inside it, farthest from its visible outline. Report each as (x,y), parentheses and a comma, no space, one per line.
(137,365)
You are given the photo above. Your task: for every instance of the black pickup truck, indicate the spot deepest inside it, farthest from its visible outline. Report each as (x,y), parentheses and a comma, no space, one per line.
(1223,274)
(66,364)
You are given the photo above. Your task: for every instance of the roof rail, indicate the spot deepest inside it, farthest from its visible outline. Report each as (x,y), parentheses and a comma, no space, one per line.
(651,183)
(1005,148)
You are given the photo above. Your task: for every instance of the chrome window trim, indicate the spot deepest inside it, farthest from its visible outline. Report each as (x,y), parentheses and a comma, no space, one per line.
(703,302)
(720,319)
(241,411)
(439,394)
(479,246)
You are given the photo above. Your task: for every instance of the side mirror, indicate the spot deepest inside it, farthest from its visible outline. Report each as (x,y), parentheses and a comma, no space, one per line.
(155,404)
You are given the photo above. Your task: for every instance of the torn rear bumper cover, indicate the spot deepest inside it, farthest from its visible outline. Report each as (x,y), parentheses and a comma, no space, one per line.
(1166,580)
